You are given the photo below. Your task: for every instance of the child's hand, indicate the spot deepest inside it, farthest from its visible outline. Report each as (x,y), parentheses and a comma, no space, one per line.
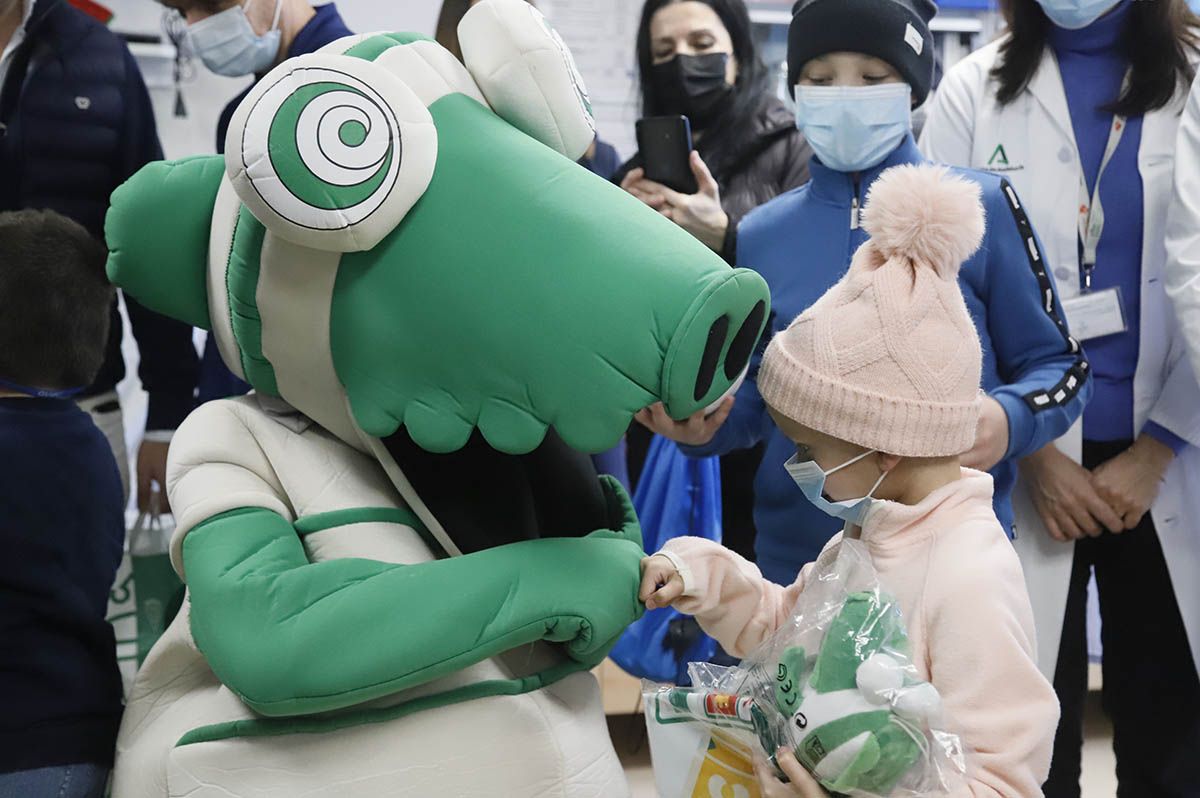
(661,583)
(803,785)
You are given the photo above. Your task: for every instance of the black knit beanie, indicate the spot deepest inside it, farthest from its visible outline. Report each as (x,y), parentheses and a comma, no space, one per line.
(896,31)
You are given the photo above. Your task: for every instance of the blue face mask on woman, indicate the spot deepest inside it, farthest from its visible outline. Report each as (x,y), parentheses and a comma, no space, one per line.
(811,481)
(228,45)
(1076,14)
(853,128)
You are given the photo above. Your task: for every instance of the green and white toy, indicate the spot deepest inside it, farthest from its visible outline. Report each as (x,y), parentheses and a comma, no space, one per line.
(400,567)
(858,718)
(855,713)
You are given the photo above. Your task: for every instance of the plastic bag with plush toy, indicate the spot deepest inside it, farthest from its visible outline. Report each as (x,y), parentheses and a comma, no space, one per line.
(835,684)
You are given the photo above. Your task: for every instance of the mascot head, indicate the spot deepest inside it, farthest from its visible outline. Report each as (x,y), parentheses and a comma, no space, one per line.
(398,243)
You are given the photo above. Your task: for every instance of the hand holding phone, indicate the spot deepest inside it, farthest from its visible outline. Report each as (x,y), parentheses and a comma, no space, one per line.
(665,144)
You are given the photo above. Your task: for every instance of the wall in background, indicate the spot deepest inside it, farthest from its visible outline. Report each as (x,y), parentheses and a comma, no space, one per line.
(600,32)
(601,35)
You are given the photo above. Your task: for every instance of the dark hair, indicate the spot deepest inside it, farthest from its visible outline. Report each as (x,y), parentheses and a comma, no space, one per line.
(750,91)
(447,25)
(1159,38)
(55,301)
(446,32)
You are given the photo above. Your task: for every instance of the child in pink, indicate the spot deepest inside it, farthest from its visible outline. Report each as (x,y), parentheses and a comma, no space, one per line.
(878,385)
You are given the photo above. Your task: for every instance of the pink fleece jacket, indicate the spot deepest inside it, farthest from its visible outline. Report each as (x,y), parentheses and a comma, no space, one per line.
(970,624)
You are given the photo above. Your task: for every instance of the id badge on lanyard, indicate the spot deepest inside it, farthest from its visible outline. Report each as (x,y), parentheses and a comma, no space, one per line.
(1096,314)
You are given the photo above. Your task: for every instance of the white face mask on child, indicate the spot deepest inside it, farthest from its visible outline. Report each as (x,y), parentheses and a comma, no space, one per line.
(811,480)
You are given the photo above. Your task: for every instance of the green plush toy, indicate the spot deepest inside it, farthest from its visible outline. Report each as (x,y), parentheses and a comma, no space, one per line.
(857,717)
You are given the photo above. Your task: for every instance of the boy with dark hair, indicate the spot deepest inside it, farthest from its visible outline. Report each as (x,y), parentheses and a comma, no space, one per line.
(61,514)
(76,122)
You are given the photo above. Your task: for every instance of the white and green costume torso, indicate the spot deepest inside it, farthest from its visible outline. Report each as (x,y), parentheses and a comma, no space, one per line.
(180,734)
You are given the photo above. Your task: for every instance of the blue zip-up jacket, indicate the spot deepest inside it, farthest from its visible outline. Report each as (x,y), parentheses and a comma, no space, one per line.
(802,242)
(75,123)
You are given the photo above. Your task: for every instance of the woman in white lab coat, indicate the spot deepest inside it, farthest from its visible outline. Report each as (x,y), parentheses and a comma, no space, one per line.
(1078,105)
(1182,275)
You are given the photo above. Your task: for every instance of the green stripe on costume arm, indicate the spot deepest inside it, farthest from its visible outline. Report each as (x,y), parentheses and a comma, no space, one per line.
(292,637)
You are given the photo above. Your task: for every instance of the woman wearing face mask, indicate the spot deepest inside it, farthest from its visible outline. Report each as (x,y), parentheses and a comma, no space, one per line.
(1079,106)
(697,58)
(236,39)
(857,68)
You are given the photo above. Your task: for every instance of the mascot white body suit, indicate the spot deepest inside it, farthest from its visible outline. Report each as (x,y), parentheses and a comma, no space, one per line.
(400,568)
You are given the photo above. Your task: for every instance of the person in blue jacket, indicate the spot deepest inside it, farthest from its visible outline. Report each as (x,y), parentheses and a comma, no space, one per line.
(857,69)
(249,37)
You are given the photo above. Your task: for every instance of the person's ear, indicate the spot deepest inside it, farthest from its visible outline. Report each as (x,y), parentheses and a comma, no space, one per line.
(887,462)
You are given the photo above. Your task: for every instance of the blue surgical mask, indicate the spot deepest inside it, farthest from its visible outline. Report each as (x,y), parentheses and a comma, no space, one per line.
(853,128)
(228,45)
(811,480)
(1076,14)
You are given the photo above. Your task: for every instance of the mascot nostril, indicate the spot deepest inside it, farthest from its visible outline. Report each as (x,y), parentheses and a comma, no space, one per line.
(725,354)
(717,334)
(396,549)
(743,343)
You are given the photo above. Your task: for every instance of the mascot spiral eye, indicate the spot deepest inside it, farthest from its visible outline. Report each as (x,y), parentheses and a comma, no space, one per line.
(331,151)
(323,150)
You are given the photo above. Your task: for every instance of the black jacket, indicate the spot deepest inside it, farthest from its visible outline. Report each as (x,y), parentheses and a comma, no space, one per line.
(771,159)
(75,123)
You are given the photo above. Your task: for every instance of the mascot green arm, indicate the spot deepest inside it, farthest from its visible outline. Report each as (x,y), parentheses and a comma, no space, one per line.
(295,638)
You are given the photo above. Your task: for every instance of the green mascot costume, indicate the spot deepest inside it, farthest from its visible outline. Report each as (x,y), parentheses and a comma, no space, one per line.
(400,565)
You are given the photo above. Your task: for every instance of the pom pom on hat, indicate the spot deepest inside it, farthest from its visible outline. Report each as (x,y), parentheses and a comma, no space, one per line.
(927,215)
(889,358)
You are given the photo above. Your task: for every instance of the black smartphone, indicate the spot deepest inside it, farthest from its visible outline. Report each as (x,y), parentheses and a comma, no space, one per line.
(665,144)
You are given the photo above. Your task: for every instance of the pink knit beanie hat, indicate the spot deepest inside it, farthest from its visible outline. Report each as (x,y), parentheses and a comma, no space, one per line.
(889,358)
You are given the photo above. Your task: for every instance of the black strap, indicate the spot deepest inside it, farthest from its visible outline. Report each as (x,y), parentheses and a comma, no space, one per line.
(1072,382)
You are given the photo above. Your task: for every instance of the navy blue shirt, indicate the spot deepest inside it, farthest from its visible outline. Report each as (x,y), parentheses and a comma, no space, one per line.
(1093,66)
(216,380)
(605,162)
(61,530)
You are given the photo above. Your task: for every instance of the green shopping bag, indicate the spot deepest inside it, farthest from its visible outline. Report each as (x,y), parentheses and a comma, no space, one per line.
(147,592)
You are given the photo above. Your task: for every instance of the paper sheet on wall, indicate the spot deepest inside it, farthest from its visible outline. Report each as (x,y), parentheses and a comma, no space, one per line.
(601,37)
